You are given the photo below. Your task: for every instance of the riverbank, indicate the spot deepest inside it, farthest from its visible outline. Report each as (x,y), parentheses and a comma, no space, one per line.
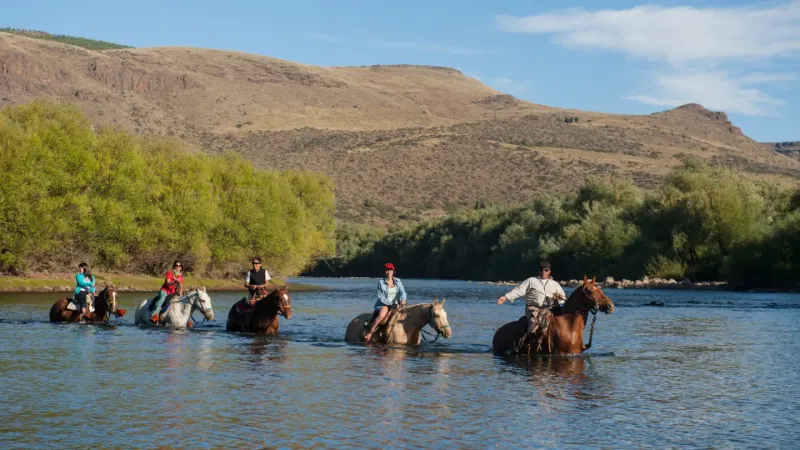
(126,283)
(644,283)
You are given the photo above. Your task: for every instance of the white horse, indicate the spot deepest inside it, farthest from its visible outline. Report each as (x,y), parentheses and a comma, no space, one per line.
(179,312)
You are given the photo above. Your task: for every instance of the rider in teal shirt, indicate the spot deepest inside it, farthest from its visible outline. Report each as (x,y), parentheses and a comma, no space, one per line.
(85,284)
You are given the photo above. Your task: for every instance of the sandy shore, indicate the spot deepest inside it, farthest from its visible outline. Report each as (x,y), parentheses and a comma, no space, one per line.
(64,282)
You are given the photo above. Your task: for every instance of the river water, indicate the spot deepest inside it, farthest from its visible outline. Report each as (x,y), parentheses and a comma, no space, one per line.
(708,369)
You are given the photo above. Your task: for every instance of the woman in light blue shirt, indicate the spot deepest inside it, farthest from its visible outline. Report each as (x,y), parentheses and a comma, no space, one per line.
(390,293)
(85,284)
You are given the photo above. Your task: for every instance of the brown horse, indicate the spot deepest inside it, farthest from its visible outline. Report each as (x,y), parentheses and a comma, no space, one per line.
(263,316)
(564,335)
(105,304)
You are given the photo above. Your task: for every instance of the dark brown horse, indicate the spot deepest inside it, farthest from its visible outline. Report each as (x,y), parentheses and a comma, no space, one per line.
(263,316)
(564,336)
(105,304)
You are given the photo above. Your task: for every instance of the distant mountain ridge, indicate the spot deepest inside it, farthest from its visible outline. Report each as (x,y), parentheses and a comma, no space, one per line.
(401,142)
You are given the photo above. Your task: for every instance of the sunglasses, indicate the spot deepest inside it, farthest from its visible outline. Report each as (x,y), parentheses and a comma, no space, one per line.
(256,263)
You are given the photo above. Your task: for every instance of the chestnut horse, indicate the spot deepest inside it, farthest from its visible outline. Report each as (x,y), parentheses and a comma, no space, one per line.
(403,326)
(105,304)
(564,335)
(262,318)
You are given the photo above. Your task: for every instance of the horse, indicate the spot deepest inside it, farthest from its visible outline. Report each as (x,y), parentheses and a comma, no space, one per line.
(180,310)
(402,326)
(564,335)
(105,304)
(263,317)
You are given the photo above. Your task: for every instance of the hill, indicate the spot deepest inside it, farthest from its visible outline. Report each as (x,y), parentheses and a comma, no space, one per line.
(790,149)
(400,142)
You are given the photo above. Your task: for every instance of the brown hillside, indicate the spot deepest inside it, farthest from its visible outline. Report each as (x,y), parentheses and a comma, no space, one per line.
(790,149)
(401,142)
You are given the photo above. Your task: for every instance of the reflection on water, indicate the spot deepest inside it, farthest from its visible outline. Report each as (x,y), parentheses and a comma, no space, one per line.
(708,369)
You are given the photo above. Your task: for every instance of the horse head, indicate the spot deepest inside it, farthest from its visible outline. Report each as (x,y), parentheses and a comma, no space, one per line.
(592,297)
(204,303)
(283,301)
(111,300)
(438,319)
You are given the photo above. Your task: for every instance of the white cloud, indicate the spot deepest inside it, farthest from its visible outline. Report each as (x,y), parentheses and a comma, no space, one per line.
(430,47)
(761,77)
(696,49)
(714,90)
(508,85)
(677,35)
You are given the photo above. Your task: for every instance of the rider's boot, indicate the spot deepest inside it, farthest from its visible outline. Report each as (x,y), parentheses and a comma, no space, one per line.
(154,319)
(120,312)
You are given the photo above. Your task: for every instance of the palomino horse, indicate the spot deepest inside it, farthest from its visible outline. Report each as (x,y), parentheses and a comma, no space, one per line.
(263,317)
(180,310)
(404,326)
(105,304)
(564,335)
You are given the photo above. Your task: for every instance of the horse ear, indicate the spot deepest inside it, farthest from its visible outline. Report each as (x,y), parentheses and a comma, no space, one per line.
(435,301)
(593,279)
(585,279)
(443,300)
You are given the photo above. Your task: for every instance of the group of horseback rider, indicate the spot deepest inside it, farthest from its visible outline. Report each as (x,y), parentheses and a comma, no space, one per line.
(256,281)
(541,293)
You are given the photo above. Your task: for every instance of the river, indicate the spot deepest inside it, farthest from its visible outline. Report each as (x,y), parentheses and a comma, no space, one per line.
(708,369)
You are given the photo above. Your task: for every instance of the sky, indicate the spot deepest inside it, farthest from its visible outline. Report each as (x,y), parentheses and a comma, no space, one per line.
(627,57)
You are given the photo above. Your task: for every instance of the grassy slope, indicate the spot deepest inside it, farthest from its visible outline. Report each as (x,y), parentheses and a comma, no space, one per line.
(90,44)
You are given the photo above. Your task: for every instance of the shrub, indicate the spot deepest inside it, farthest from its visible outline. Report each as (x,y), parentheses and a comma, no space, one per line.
(663,267)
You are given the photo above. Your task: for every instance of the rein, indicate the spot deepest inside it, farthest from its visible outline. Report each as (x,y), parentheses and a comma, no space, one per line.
(197,305)
(591,330)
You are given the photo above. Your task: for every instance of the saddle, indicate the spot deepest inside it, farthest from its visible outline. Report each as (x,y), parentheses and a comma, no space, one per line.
(385,327)
(534,338)
(243,305)
(73,304)
(165,307)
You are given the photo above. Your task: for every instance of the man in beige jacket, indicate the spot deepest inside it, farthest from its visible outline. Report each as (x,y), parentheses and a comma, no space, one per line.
(540,293)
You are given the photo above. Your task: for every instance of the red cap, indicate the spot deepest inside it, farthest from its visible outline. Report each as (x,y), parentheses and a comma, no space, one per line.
(388,266)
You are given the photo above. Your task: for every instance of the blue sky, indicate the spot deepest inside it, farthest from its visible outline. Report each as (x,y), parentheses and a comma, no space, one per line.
(741,57)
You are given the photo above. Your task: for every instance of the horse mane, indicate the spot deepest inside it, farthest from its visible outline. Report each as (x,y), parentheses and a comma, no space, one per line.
(418,306)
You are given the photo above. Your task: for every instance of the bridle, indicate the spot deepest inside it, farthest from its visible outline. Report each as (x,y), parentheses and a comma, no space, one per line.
(432,323)
(193,300)
(592,310)
(279,302)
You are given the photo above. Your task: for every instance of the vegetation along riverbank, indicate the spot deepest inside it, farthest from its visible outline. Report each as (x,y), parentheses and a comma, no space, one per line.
(130,204)
(706,223)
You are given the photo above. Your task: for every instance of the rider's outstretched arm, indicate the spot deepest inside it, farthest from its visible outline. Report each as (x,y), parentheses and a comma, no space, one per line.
(518,291)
